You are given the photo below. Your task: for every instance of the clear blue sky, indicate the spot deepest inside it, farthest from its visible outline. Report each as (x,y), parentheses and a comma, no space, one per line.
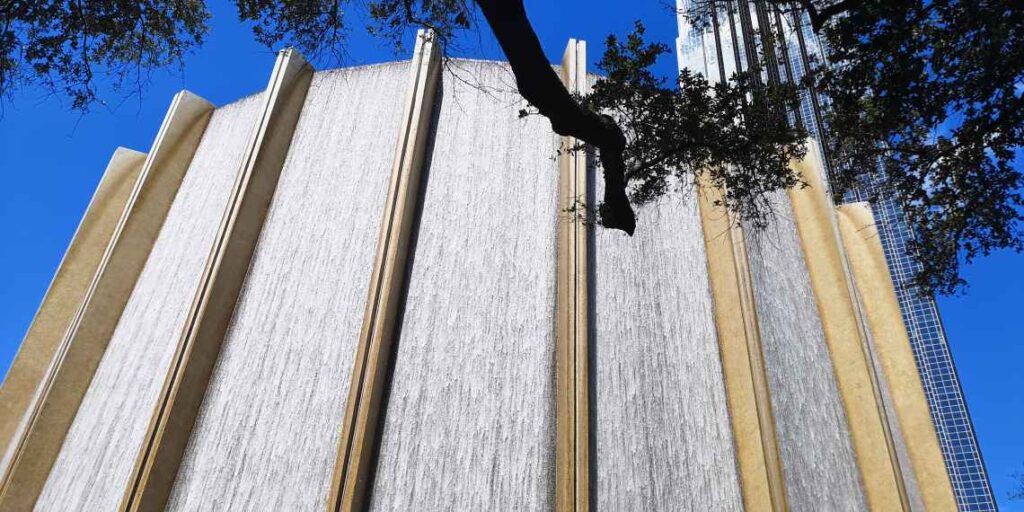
(51,160)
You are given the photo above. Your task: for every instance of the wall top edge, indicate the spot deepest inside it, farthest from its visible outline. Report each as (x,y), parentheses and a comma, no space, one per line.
(123,151)
(191,97)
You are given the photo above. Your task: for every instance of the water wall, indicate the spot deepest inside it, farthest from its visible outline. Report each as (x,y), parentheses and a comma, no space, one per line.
(474,405)
(469,423)
(659,403)
(817,459)
(268,429)
(99,451)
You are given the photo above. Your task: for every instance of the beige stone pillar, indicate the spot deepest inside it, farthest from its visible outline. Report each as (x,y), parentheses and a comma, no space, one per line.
(739,341)
(38,439)
(846,336)
(355,461)
(572,395)
(68,288)
(171,424)
(892,346)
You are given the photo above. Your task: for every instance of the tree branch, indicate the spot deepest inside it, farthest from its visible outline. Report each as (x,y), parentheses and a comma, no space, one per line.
(833,10)
(818,16)
(540,86)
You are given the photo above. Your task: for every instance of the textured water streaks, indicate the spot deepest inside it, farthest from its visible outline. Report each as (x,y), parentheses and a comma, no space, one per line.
(661,426)
(470,418)
(99,451)
(266,436)
(819,467)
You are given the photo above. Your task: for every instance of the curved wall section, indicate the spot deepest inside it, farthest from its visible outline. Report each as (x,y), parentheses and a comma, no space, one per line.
(660,420)
(503,355)
(469,423)
(818,463)
(99,451)
(265,437)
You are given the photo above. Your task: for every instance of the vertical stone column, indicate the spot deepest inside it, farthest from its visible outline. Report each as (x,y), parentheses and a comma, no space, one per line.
(199,346)
(356,461)
(572,456)
(38,439)
(739,339)
(68,288)
(881,309)
(847,339)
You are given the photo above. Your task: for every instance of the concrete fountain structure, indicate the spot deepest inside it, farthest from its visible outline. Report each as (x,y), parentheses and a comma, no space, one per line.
(361,289)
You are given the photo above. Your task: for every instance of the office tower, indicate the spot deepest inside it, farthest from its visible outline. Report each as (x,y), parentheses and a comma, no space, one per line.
(728,41)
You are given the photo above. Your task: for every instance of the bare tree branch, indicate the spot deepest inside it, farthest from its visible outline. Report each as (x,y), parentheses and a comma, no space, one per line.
(539,85)
(819,16)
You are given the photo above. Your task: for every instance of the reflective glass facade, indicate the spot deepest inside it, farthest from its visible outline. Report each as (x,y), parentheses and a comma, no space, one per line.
(728,42)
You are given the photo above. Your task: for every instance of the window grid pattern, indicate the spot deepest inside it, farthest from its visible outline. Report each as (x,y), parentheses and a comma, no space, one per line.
(928,341)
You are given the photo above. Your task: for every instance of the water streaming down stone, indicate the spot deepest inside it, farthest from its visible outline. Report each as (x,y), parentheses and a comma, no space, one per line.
(266,436)
(99,451)
(470,419)
(660,420)
(819,466)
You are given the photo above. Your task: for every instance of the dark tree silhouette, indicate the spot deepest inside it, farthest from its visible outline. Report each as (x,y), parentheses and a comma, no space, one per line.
(1018,492)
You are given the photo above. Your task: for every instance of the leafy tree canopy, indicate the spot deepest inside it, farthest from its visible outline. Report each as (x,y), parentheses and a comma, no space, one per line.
(62,45)
(934,91)
(925,98)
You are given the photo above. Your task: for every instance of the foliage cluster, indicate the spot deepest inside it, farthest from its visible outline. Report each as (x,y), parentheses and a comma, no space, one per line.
(736,133)
(62,45)
(925,98)
(932,93)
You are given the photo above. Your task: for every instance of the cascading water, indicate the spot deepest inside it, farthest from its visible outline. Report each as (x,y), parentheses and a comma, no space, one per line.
(266,436)
(660,420)
(99,451)
(470,420)
(819,467)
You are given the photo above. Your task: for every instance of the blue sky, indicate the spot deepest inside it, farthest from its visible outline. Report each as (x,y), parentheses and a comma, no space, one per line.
(51,160)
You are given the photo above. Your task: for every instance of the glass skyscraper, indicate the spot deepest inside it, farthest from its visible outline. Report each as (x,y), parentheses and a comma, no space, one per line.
(728,39)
